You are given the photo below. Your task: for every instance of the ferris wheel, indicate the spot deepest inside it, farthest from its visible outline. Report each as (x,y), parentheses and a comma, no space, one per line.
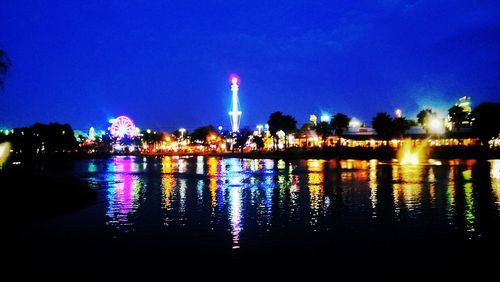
(122,126)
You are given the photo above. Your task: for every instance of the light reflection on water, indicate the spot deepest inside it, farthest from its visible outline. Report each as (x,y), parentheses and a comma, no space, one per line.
(123,193)
(247,198)
(495,180)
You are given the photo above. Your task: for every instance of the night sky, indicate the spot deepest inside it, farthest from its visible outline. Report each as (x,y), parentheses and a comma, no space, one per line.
(166,64)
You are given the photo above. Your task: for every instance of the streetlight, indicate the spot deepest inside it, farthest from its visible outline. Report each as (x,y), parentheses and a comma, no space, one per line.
(436,125)
(182,131)
(399,113)
(325,118)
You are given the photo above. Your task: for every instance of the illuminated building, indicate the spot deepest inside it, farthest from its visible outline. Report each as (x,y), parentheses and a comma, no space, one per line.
(235,114)
(465,103)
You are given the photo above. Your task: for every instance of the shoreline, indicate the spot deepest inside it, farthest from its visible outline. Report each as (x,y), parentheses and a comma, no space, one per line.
(381,153)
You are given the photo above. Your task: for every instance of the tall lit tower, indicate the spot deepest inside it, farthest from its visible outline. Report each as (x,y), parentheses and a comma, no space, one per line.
(235,114)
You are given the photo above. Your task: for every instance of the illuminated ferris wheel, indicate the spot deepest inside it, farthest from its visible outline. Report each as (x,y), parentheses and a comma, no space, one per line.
(122,126)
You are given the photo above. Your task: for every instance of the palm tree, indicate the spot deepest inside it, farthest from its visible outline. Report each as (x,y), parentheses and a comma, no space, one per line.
(275,124)
(339,123)
(383,125)
(279,122)
(323,129)
(4,66)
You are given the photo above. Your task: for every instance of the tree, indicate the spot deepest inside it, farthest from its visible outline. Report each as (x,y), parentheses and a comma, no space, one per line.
(424,117)
(180,134)
(53,138)
(457,116)
(323,129)
(306,127)
(383,125)
(275,123)
(202,134)
(242,138)
(289,127)
(400,125)
(486,125)
(339,124)
(151,137)
(286,123)
(259,142)
(4,66)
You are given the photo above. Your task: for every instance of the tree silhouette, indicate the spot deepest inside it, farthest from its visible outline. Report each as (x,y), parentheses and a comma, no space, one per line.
(323,129)
(486,125)
(339,124)
(423,118)
(53,138)
(400,125)
(201,134)
(151,137)
(286,123)
(457,116)
(383,125)
(242,138)
(259,142)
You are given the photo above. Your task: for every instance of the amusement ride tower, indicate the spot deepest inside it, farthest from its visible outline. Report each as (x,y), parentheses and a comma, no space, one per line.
(235,114)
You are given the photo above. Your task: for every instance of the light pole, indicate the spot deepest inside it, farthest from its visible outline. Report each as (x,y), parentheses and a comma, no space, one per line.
(182,131)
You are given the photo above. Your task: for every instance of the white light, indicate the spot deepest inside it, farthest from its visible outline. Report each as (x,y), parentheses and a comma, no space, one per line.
(399,113)
(436,125)
(354,123)
(325,118)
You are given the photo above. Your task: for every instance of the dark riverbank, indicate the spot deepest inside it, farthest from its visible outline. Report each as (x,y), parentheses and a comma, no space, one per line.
(37,195)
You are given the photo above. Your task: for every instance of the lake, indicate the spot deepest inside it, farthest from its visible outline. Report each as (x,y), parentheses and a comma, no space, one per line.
(352,218)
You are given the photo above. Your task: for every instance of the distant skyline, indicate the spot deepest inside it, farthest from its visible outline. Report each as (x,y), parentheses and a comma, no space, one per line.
(166,64)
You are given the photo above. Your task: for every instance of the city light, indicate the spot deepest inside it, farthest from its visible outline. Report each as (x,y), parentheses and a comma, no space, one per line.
(182,131)
(325,118)
(4,152)
(399,113)
(354,123)
(259,128)
(436,126)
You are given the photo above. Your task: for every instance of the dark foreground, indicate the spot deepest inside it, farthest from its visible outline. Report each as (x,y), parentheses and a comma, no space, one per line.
(232,219)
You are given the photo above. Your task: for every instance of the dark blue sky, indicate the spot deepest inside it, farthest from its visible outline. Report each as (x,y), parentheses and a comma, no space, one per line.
(166,63)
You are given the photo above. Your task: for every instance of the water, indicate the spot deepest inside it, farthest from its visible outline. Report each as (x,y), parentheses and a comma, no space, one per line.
(205,209)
